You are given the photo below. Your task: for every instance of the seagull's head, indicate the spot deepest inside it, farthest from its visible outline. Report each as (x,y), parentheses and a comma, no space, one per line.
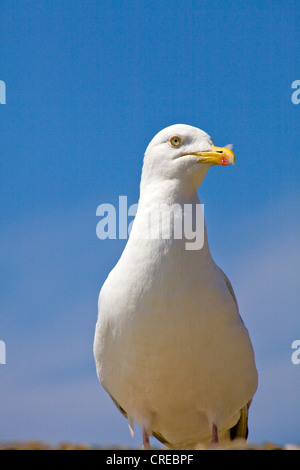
(182,153)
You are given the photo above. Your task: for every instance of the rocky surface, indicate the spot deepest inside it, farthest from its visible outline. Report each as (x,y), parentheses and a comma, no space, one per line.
(40,445)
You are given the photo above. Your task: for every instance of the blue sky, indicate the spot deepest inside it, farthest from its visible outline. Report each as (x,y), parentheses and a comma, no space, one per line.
(88,84)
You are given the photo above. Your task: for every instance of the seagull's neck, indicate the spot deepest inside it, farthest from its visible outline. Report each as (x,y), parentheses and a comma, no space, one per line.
(168,192)
(169,196)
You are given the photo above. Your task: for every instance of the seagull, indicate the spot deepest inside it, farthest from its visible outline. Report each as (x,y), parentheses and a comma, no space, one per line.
(170,346)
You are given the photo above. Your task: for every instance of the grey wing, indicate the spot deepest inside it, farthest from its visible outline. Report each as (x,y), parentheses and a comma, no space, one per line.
(119,406)
(229,286)
(240,430)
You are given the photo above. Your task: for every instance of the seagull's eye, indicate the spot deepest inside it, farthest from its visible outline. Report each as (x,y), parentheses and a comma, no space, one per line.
(175,141)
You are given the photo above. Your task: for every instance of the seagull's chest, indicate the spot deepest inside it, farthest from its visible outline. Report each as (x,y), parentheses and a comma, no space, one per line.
(161,313)
(170,346)
(164,288)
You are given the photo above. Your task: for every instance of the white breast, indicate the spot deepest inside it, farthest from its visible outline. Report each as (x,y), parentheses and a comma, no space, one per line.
(170,346)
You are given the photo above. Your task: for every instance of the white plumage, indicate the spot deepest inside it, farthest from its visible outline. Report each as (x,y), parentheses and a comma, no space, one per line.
(170,346)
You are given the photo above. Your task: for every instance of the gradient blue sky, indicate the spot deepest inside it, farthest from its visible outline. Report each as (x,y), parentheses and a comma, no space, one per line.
(88,85)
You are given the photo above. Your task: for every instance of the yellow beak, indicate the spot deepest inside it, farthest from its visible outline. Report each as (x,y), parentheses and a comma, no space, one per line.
(216,156)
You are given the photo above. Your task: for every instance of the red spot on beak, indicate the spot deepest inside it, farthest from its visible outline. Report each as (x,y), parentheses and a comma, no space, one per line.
(224,161)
